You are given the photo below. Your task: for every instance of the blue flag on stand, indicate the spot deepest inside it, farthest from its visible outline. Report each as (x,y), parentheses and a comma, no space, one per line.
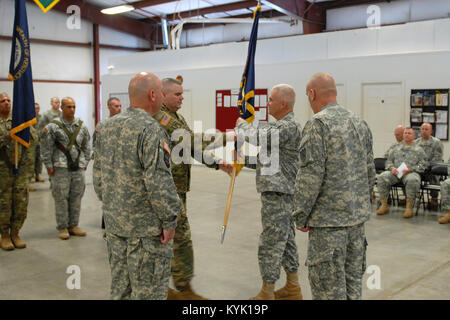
(23,112)
(246,99)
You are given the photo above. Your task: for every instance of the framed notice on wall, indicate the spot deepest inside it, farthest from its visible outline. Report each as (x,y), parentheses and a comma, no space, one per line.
(227,110)
(430,105)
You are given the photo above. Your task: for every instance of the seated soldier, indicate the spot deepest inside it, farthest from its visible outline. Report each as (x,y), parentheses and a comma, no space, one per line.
(398,133)
(415,160)
(433,150)
(445,197)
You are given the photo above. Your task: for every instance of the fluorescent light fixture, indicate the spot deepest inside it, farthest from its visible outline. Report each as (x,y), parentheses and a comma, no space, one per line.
(118,9)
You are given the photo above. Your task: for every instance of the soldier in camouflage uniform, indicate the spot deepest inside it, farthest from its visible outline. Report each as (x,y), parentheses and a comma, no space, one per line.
(53,113)
(277,245)
(434,150)
(445,196)
(114,107)
(66,151)
(132,178)
(171,121)
(415,159)
(398,133)
(36,150)
(13,189)
(332,193)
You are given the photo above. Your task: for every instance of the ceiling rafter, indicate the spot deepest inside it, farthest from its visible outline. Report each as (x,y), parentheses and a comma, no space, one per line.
(92,13)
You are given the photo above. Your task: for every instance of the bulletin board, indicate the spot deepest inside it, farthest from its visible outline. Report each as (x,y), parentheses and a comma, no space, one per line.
(430,105)
(227,111)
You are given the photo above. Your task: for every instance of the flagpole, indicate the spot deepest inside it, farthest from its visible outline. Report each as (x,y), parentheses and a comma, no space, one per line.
(227,209)
(16,154)
(246,109)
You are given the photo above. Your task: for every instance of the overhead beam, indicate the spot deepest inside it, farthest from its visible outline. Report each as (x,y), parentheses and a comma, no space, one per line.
(293,8)
(149,3)
(312,15)
(214,9)
(347,3)
(92,13)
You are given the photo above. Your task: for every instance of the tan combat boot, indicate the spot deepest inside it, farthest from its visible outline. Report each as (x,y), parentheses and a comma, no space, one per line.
(188,294)
(39,179)
(6,243)
(384,208)
(64,234)
(266,293)
(75,231)
(409,209)
(445,219)
(16,240)
(292,290)
(172,294)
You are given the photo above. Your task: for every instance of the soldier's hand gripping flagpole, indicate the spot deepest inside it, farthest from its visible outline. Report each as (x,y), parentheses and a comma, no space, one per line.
(246,107)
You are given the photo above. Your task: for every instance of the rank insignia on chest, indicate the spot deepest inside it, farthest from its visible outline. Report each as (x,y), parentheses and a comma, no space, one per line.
(165,120)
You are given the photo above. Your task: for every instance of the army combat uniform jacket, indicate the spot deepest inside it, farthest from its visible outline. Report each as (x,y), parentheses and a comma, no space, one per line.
(181,172)
(281,139)
(337,170)
(132,174)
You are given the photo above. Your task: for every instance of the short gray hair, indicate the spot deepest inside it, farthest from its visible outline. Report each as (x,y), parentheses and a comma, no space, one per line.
(287,93)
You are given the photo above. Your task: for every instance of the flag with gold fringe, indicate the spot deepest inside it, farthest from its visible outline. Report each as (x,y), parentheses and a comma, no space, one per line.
(23,112)
(246,108)
(246,99)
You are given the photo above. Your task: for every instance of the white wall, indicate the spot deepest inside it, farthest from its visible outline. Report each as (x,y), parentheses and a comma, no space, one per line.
(399,11)
(415,55)
(65,63)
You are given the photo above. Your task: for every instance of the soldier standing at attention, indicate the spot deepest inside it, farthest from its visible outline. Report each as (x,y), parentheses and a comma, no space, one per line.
(277,245)
(332,196)
(140,202)
(434,150)
(114,107)
(66,151)
(13,189)
(170,120)
(415,159)
(53,113)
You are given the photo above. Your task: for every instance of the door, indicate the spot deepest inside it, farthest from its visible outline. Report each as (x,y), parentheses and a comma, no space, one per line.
(383,109)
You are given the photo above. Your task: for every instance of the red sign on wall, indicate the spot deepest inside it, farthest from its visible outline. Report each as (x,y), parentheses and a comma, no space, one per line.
(227,111)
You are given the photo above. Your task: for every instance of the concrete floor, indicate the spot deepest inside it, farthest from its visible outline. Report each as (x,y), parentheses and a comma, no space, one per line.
(412,255)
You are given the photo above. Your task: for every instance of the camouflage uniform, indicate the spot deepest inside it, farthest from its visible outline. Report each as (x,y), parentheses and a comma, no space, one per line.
(445,194)
(35,147)
(67,186)
(277,245)
(332,197)
(391,148)
(414,157)
(183,260)
(13,190)
(133,180)
(434,150)
(47,117)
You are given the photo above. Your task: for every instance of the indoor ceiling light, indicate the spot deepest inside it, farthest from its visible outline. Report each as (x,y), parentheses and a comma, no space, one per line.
(118,9)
